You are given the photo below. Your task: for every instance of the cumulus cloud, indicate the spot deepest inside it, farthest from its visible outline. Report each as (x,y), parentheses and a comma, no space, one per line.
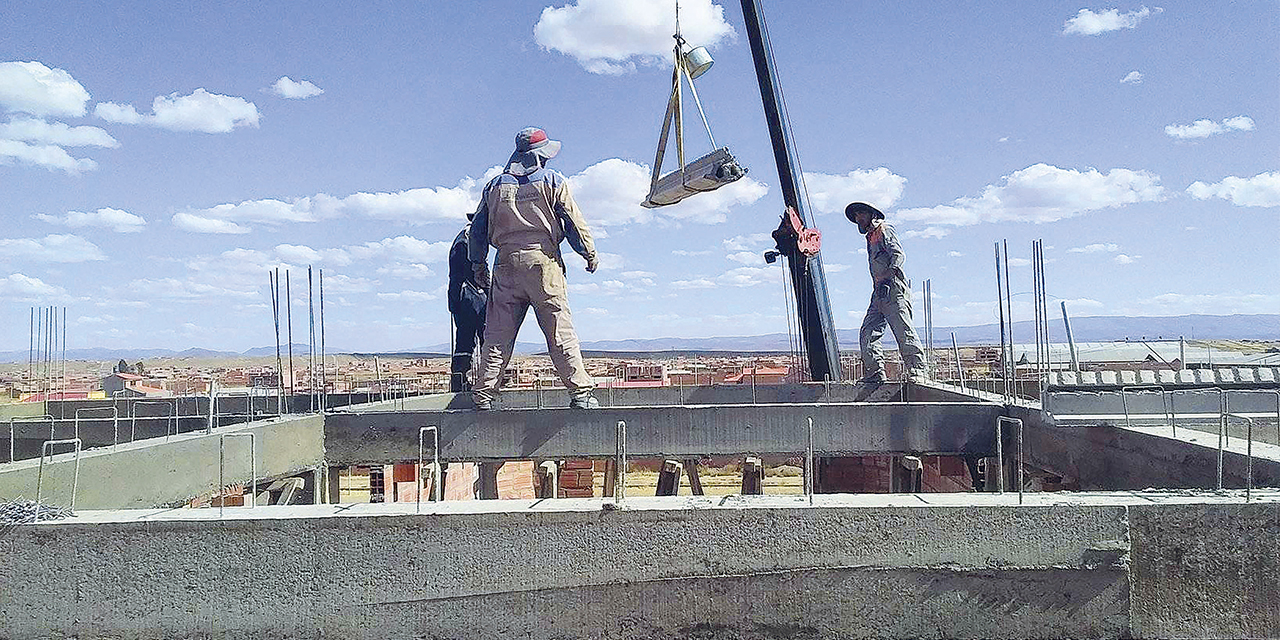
(954,254)
(45,156)
(829,193)
(198,111)
(1133,77)
(614,36)
(1088,23)
(1262,190)
(107,218)
(1125,259)
(31,87)
(22,287)
(51,248)
(403,248)
(185,290)
(287,87)
(1095,248)
(407,296)
(755,242)
(1206,128)
(1043,193)
(412,206)
(39,131)
(928,232)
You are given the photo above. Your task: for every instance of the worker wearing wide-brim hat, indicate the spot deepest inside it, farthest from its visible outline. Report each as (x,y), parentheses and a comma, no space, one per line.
(525,213)
(890,297)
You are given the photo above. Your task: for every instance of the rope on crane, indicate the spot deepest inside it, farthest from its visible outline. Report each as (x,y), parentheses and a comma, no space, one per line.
(707,173)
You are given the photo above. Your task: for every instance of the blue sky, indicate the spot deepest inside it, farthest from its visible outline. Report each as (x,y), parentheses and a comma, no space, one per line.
(156,160)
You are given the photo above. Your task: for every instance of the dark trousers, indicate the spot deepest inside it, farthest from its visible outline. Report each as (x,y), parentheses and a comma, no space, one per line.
(468,334)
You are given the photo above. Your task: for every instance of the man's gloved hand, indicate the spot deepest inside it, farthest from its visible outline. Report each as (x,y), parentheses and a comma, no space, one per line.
(593,263)
(481,272)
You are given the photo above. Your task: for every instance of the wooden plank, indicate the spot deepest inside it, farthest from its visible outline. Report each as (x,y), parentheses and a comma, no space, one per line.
(752,476)
(669,479)
(695,482)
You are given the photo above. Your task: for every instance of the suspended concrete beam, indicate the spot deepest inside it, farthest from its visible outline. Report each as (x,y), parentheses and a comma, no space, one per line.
(966,428)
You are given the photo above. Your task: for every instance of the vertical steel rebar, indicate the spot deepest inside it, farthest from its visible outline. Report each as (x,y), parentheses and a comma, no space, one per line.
(311,346)
(288,312)
(1008,296)
(1004,356)
(324,380)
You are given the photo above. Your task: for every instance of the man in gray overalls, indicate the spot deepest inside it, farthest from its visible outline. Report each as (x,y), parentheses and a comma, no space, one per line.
(890,297)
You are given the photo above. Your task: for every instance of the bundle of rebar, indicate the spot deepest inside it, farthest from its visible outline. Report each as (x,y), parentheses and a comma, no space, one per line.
(29,511)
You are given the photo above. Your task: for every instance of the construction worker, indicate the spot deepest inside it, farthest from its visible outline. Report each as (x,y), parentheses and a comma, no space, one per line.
(525,213)
(890,297)
(467,302)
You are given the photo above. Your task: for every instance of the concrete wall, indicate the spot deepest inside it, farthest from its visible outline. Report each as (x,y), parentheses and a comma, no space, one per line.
(162,471)
(760,567)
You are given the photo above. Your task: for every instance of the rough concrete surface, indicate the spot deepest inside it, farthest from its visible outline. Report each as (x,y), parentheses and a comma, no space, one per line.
(960,565)
(162,471)
(680,431)
(1206,571)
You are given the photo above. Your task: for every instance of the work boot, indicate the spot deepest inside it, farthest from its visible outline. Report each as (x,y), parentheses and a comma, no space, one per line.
(458,368)
(584,401)
(917,375)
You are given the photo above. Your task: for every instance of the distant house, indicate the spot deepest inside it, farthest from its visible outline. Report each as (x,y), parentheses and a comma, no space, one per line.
(130,385)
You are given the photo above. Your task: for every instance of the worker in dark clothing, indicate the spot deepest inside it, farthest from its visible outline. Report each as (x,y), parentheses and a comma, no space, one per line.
(890,297)
(467,302)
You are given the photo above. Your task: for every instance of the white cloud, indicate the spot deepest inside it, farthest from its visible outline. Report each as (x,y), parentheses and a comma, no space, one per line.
(31,87)
(613,36)
(1206,128)
(403,248)
(954,254)
(413,206)
(834,267)
(1019,262)
(610,191)
(1095,248)
(51,248)
(38,131)
(117,113)
(407,271)
(831,193)
(1088,23)
(695,283)
(200,224)
(1043,193)
(1262,190)
(287,87)
(21,287)
(750,242)
(686,252)
(1126,259)
(746,257)
(46,156)
(407,296)
(1133,77)
(198,111)
(114,219)
(175,289)
(297,254)
(927,232)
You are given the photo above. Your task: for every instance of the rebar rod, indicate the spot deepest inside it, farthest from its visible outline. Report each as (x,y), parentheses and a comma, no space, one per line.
(1013,367)
(1004,357)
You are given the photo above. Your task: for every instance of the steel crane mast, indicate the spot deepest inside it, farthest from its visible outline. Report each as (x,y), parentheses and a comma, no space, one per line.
(817,330)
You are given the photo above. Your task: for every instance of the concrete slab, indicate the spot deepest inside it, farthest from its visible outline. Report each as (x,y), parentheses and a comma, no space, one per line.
(673,431)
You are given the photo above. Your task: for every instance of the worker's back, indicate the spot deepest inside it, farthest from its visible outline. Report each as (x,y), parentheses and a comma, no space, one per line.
(523,210)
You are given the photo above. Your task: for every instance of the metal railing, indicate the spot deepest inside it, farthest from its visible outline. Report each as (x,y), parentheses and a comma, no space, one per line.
(115,419)
(1164,401)
(1000,422)
(133,417)
(75,480)
(43,418)
(435,472)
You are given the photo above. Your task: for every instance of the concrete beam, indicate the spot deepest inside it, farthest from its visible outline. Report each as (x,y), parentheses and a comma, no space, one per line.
(929,565)
(161,471)
(677,432)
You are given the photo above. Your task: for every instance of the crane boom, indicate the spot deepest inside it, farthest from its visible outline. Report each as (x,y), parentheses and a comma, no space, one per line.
(817,330)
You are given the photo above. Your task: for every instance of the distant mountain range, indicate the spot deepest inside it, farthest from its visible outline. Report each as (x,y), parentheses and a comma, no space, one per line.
(1085,329)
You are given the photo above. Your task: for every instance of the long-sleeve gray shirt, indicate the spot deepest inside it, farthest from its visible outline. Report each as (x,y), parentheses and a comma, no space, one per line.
(884,253)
